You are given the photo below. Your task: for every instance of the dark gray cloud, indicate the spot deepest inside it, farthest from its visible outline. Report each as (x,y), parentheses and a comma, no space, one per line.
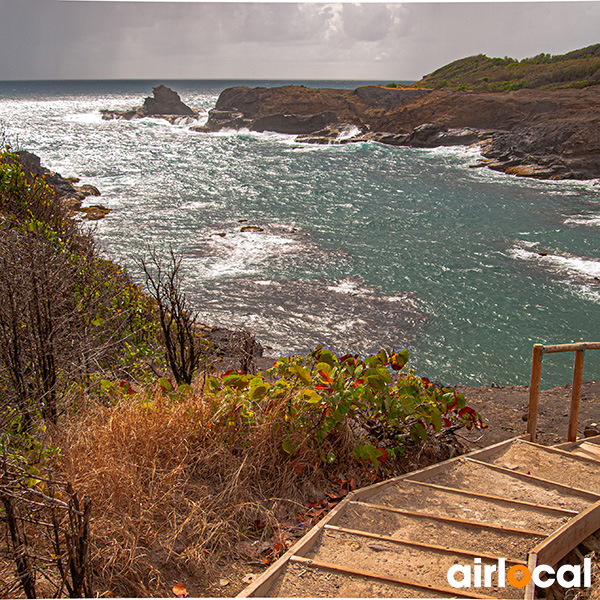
(51,39)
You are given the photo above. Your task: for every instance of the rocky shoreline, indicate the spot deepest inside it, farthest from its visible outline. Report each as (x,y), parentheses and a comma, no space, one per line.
(529,133)
(544,134)
(70,194)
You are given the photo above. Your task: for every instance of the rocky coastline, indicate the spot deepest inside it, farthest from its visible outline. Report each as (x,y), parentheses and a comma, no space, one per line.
(70,194)
(545,134)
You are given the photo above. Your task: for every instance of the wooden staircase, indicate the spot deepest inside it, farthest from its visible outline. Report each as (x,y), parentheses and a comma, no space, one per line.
(517,502)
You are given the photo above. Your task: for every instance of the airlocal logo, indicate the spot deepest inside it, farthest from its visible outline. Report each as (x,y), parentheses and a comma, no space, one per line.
(482,575)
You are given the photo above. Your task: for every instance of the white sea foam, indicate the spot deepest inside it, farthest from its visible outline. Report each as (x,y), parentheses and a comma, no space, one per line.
(587,268)
(348,133)
(94,118)
(585,220)
(245,252)
(350,286)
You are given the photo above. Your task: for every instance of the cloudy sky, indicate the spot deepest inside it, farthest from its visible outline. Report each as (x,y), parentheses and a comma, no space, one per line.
(92,39)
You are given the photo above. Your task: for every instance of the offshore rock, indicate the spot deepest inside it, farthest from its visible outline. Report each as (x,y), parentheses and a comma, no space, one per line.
(164,103)
(528,132)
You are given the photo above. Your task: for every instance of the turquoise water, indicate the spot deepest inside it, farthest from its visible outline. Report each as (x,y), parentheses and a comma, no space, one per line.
(362,245)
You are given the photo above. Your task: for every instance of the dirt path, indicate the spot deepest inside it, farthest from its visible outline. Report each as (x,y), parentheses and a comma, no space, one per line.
(504,409)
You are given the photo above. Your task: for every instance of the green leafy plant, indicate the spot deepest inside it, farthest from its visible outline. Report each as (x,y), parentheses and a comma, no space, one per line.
(376,397)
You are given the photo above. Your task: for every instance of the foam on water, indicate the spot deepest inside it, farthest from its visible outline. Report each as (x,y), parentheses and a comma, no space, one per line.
(561,263)
(585,220)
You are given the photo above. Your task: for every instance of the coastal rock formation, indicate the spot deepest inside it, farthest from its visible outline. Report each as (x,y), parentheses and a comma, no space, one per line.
(70,194)
(164,103)
(528,132)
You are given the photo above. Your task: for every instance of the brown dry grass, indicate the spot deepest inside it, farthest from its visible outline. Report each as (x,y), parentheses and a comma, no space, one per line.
(177,483)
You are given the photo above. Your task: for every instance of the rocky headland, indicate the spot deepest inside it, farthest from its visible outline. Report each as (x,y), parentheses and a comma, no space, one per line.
(547,134)
(164,103)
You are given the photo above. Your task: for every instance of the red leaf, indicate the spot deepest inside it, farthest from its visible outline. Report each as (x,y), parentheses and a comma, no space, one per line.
(352,484)
(335,497)
(326,376)
(313,504)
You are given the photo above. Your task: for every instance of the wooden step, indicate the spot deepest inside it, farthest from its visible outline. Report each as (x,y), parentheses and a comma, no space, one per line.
(453,502)
(423,567)
(588,450)
(485,478)
(551,464)
(515,500)
(471,536)
(300,580)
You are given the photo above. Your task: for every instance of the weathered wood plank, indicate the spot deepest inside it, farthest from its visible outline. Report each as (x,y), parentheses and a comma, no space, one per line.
(434,547)
(398,580)
(562,541)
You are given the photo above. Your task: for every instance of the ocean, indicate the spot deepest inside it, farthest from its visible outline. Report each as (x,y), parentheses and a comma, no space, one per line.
(358,246)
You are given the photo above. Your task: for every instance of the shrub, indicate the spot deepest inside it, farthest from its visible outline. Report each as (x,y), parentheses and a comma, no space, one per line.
(327,396)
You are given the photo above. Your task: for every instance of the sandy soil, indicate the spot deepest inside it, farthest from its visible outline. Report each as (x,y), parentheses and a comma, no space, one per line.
(504,409)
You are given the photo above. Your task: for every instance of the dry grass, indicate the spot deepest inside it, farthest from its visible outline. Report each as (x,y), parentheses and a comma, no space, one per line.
(177,483)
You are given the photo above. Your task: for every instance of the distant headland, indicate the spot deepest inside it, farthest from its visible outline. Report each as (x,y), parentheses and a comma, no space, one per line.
(543,121)
(538,117)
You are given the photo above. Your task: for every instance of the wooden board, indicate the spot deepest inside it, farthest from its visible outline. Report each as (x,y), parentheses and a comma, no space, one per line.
(561,542)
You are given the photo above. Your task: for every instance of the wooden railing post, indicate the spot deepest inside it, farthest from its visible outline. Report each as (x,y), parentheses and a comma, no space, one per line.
(576,394)
(534,390)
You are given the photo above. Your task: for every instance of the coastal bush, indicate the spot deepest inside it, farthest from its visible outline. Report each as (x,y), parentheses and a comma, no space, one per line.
(327,396)
(184,347)
(66,314)
(67,317)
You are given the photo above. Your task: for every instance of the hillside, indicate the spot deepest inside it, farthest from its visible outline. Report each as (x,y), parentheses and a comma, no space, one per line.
(576,69)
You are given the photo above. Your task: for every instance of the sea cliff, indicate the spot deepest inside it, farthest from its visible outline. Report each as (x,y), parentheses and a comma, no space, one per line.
(547,134)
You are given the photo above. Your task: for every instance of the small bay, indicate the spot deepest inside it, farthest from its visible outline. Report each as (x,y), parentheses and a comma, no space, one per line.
(359,246)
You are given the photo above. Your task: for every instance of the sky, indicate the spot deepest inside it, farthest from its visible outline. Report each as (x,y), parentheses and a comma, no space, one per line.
(92,39)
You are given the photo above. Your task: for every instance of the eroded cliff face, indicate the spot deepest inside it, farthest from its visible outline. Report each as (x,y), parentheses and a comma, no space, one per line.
(544,134)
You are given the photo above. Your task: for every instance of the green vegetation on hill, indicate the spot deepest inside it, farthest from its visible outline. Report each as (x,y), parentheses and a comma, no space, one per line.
(576,69)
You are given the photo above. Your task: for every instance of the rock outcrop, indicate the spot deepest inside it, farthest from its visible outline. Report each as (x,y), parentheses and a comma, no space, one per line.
(71,195)
(528,132)
(164,103)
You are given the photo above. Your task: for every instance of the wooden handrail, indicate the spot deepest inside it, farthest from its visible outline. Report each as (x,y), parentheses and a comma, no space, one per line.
(536,379)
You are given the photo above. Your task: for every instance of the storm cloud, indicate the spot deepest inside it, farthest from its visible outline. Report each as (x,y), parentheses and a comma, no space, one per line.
(52,39)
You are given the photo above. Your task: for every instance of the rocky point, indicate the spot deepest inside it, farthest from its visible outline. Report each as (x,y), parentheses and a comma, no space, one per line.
(547,134)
